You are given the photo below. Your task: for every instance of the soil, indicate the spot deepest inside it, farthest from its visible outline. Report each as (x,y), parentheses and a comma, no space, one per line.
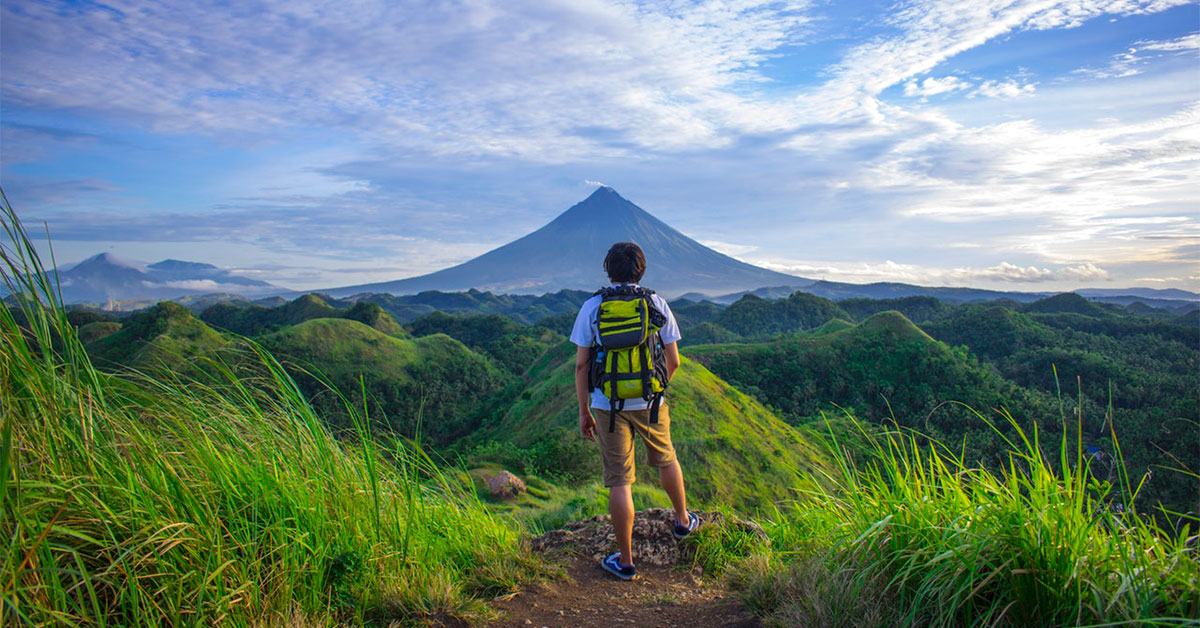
(665,594)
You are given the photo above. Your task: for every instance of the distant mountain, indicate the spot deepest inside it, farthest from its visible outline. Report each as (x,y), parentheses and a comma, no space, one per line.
(106,277)
(1173,294)
(569,251)
(836,290)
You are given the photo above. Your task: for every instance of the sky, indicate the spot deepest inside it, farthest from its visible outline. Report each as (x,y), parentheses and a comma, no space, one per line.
(1012,144)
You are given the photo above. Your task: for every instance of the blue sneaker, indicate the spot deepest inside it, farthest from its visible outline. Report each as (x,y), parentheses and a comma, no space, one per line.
(613,565)
(693,523)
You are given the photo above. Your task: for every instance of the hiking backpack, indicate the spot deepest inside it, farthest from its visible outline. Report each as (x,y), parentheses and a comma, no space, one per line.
(628,360)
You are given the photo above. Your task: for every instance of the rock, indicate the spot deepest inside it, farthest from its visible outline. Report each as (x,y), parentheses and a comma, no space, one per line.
(653,540)
(505,485)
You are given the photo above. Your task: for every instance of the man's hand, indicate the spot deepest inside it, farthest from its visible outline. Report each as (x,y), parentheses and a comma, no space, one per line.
(587,426)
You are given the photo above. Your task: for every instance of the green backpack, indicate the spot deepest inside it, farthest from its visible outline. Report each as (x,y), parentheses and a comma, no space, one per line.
(629,360)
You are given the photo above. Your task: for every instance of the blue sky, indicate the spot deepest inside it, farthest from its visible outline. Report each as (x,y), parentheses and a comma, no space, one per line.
(1015,144)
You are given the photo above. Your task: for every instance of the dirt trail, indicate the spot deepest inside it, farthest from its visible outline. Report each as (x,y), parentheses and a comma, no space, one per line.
(663,595)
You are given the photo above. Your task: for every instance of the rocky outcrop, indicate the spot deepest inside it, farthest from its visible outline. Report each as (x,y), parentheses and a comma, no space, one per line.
(653,541)
(505,485)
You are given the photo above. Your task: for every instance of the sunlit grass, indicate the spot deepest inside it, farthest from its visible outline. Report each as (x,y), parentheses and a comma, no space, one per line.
(915,537)
(158,501)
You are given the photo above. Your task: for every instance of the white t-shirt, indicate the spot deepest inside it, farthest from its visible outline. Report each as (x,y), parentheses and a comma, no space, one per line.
(586,332)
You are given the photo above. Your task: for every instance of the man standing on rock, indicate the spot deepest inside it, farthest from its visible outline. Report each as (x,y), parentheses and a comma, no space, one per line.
(619,418)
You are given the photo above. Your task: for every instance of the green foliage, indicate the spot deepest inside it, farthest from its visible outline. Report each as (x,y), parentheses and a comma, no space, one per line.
(916,537)
(1131,374)
(523,308)
(1069,302)
(513,346)
(434,380)
(165,337)
(886,369)
(688,313)
(97,330)
(373,316)
(755,317)
(170,502)
(79,317)
(255,320)
(561,323)
(706,333)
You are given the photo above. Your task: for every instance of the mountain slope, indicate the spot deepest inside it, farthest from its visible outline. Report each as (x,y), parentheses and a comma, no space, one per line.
(569,252)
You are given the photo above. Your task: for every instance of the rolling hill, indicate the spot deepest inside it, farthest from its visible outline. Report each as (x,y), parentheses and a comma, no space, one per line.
(166,336)
(431,386)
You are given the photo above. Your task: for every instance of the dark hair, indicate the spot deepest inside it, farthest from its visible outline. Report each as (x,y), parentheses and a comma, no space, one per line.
(625,263)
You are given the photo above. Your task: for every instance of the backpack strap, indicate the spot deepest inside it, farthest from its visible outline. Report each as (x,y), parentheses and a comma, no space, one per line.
(654,405)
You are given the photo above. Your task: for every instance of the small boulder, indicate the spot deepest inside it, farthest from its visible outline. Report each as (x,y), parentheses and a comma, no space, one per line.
(505,485)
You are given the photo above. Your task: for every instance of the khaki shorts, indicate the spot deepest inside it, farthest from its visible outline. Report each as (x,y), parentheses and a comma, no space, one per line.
(617,445)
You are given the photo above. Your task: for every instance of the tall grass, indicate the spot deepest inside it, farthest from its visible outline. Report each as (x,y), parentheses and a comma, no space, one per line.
(915,537)
(154,501)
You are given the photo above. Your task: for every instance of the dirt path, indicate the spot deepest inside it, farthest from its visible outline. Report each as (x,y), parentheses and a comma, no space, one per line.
(663,595)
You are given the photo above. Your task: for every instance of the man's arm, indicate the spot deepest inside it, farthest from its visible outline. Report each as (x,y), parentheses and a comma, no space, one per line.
(587,423)
(672,351)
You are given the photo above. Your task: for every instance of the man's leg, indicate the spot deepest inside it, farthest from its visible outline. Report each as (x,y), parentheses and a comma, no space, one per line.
(671,477)
(620,506)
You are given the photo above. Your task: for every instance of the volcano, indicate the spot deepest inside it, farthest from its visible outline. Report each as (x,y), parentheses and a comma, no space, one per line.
(569,253)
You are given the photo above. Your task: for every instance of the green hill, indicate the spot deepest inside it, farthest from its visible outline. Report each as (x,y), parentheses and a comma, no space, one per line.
(164,336)
(1067,303)
(733,450)
(434,379)
(94,331)
(833,325)
(254,320)
(689,313)
(755,317)
(513,346)
(882,368)
(372,315)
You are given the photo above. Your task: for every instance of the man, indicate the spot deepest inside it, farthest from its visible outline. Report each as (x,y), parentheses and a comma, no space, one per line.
(625,264)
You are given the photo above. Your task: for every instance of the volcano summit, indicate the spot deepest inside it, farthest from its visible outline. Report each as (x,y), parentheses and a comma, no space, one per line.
(568,253)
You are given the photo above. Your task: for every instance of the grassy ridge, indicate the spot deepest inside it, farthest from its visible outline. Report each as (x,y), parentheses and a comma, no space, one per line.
(916,537)
(161,503)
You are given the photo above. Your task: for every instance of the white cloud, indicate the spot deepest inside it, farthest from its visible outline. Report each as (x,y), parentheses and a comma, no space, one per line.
(1002,89)
(1133,60)
(1187,42)
(1084,272)
(932,86)
(935,30)
(539,79)
(999,274)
